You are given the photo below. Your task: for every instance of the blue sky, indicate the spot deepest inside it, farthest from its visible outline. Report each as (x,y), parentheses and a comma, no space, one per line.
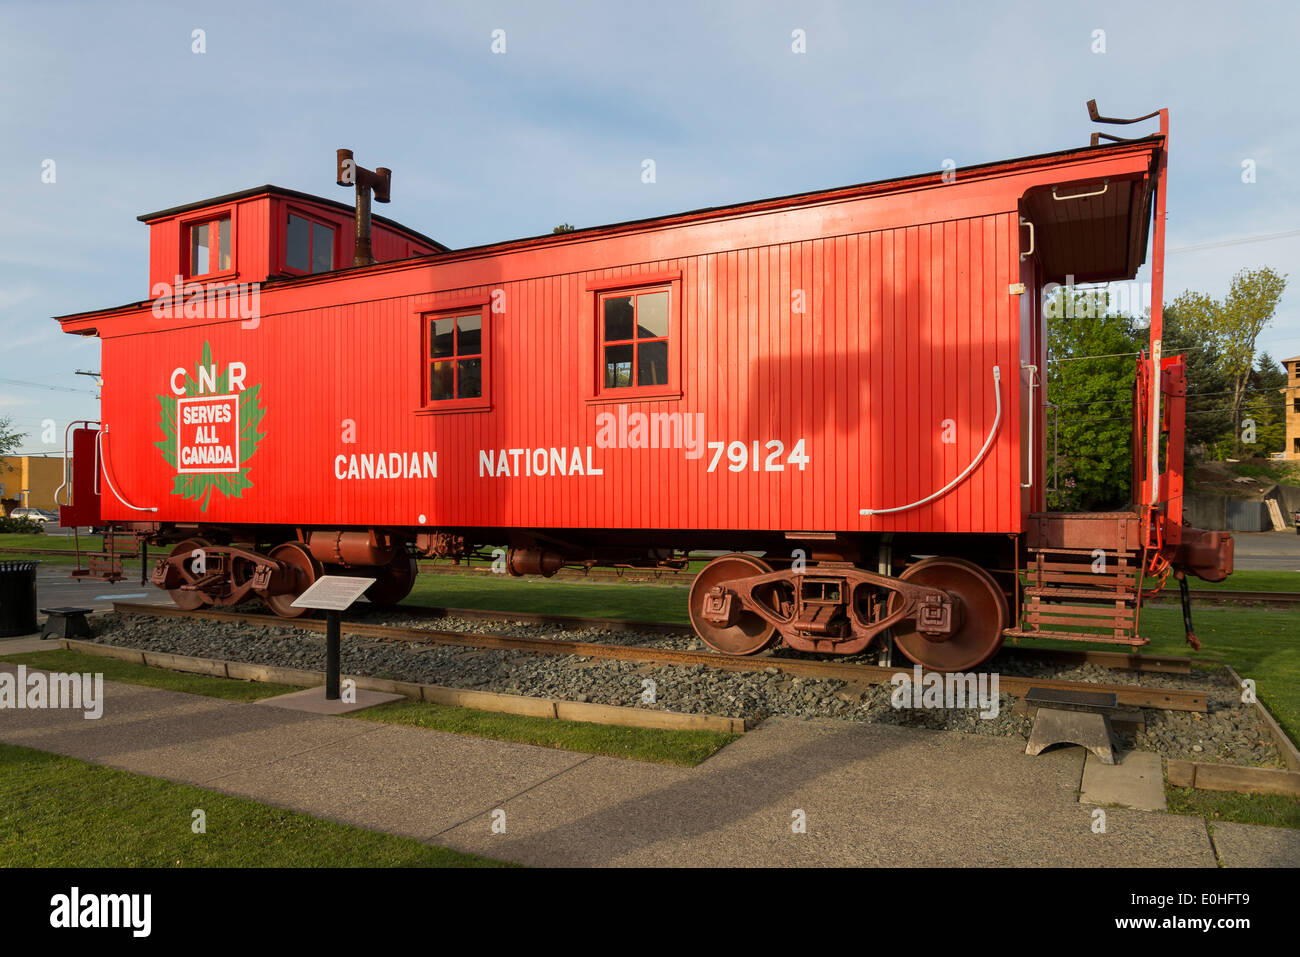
(491,146)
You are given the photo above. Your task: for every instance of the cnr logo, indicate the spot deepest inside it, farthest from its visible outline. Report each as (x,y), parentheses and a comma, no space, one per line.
(207,379)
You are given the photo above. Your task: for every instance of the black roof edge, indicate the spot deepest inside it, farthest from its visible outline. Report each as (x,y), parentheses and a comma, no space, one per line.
(293,194)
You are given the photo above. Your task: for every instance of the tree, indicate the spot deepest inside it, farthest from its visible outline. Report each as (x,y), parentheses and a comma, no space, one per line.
(564,228)
(9,440)
(1231,328)
(1089,380)
(1187,333)
(1265,407)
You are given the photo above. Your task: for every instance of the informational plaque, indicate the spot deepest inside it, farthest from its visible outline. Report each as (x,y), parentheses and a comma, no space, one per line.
(333,592)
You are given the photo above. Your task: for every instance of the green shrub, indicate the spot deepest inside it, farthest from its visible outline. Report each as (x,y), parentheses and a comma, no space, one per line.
(24,525)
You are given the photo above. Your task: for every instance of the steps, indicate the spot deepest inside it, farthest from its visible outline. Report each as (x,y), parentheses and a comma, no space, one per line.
(106,565)
(1080,594)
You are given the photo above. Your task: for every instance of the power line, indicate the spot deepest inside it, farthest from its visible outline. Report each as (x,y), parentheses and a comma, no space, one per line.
(1189,395)
(1113,355)
(52,388)
(1262,238)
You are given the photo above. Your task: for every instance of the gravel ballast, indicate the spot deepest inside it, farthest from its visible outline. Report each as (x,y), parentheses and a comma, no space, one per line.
(1229,732)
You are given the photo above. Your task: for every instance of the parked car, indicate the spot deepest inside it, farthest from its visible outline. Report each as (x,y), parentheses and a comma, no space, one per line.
(38,515)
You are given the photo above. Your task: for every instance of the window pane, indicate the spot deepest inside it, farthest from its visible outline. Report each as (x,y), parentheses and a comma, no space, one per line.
(652,363)
(618,366)
(471,378)
(223,227)
(199,250)
(441,342)
(322,248)
(470,338)
(295,244)
(618,318)
(442,384)
(652,315)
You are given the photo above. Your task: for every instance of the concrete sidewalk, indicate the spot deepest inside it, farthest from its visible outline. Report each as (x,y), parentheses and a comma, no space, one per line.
(870,794)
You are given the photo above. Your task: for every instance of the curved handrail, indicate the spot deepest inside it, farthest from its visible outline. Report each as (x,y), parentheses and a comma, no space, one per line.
(103,461)
(988,444)
(57,503)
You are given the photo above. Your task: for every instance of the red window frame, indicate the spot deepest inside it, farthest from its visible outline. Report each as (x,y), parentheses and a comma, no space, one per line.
(312,221)
(482,401)
(604,289)
(213,220)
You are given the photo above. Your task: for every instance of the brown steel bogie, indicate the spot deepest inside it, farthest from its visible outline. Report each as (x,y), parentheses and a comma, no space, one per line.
(198,572)
(833,608)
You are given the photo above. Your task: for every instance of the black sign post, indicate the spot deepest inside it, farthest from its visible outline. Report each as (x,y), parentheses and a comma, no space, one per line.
(332,622)
(333,594)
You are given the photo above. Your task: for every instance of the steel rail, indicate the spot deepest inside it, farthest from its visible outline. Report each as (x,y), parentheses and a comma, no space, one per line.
(1128,695)
(1123,660)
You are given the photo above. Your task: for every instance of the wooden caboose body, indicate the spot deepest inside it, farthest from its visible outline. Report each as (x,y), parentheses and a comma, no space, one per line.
(841,381)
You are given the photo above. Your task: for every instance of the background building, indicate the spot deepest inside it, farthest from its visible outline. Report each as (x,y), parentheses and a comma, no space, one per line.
(1292,392)
(41,475)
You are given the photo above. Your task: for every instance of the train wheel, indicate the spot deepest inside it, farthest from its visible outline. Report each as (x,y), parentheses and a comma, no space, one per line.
(983,616)
(751,633)
(302,570)
(394,583)
(187,600)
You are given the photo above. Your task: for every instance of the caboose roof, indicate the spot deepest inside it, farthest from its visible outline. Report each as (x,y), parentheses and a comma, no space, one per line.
(1109,236)
(269,190)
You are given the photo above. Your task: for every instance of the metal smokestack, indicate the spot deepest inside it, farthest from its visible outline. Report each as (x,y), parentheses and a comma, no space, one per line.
(380,182)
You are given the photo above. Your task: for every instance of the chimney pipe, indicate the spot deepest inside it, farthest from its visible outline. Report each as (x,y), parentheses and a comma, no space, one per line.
(380,182)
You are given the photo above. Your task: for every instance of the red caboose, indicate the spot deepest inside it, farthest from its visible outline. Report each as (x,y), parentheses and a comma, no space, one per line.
(840,388)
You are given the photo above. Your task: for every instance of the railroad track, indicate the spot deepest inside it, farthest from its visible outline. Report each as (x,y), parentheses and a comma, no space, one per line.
(667,576)
(1204,595)
(1127,694)
(684,578)
(1107,659)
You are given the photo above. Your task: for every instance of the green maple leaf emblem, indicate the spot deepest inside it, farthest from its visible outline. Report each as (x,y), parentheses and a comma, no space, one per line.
(198,486)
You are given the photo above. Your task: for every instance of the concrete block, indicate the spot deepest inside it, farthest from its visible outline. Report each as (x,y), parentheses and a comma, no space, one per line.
(313,701)
(1135,780)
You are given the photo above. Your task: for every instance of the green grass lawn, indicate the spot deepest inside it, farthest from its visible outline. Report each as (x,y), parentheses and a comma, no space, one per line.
(593,599)
(125,671)
(1273,810)
(60,812)
(1244,580)
(685,748)
(26,540)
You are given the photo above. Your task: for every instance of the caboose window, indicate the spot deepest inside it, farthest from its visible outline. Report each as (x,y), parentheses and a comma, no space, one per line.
(308,245)
(456,357)
(210,246)
(634,329)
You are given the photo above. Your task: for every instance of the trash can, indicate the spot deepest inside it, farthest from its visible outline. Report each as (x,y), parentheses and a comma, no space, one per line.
(17,598)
